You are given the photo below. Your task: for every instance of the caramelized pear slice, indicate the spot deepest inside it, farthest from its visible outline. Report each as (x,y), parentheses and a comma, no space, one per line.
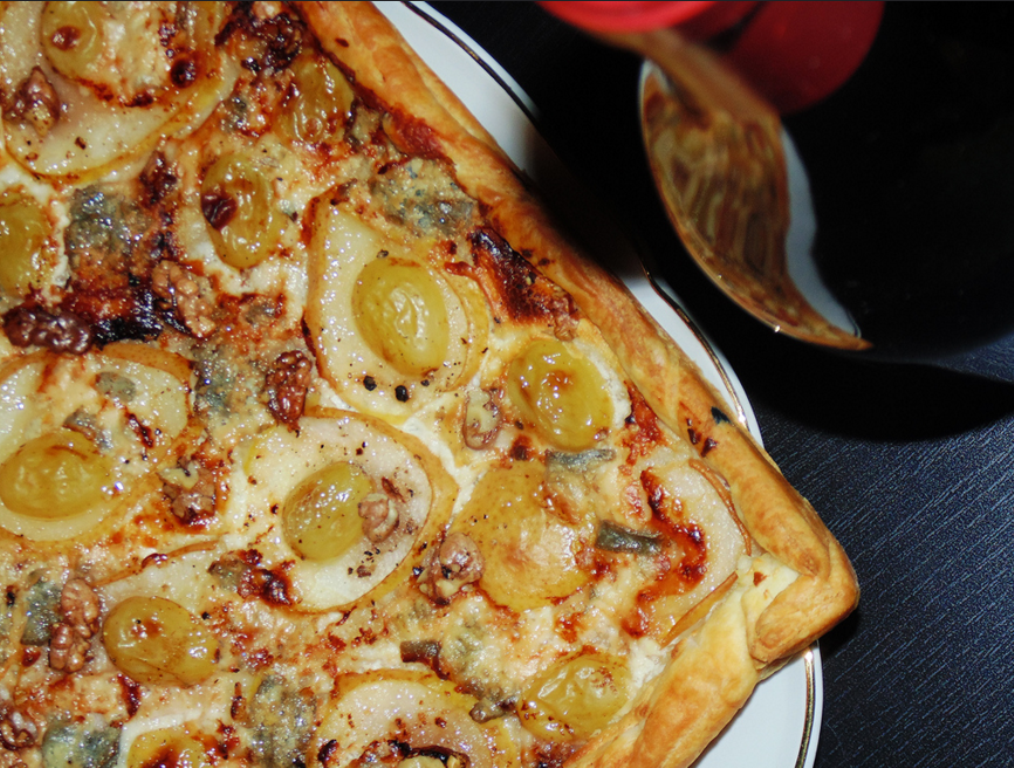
(419,712)
(561,392)
(74,113)
(79,434)
(113,48)
(325,482)
(575,697)
(530,554)
(392,330)
(699,531)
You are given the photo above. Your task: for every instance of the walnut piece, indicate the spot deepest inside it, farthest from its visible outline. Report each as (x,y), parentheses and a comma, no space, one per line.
(16,730)
(59,331)
(68,651)
(380,516)
(482,418)
(80,607)
(70,640)
(193,492)
(456,563)
(286,385)
(10,759)
(176,284)
(35,103)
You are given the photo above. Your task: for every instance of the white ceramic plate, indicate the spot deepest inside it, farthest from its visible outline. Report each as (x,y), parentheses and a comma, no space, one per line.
(779,726)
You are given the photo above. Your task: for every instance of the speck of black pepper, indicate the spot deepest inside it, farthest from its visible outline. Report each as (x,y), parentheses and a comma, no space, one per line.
(401,393)
(369,383)
(425,382)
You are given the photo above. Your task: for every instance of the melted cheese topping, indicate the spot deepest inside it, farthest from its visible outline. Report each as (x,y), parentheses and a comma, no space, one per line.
(255,381)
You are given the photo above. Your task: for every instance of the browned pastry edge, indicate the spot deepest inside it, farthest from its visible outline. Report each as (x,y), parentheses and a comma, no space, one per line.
(714,669)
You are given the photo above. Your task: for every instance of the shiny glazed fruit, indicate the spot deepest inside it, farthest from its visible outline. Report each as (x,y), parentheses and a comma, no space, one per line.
(401,314)
(320,518)
(321,103)
(565,396)
(154,640)
(168,747)
(56,475)
(575,697)
(23,232)
(239,205)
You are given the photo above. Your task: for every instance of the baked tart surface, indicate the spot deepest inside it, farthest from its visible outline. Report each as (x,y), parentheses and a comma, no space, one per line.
(321,444)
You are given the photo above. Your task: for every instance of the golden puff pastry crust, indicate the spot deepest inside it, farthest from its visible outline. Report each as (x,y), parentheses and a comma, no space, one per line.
(796,587)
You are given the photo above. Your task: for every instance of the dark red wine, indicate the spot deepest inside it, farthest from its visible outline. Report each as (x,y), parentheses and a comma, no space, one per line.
(911,173)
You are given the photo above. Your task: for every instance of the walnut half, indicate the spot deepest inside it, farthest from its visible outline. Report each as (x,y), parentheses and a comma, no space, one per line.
(71,638)
(455,564)
(379,515)
(35,103)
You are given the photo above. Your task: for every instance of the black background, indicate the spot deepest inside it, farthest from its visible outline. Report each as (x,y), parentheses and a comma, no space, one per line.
(910,466)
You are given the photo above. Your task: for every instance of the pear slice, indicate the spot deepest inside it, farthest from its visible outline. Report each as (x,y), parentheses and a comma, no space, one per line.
(68,112)
(317,481)
(392,330)
(79,434)
(421,713)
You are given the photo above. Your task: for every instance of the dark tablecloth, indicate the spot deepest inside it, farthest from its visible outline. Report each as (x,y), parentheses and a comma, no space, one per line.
(909,466)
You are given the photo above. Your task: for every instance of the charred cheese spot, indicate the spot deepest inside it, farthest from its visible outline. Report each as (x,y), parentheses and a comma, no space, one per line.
(514,286)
